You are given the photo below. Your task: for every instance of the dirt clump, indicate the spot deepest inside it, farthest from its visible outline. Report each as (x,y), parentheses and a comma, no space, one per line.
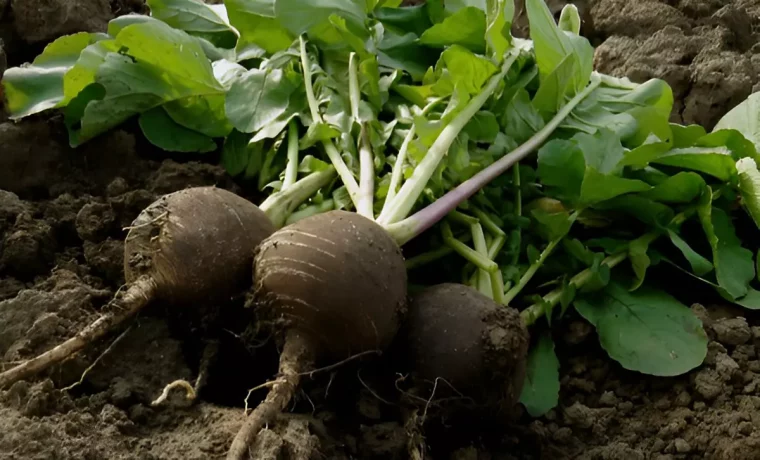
(45,20)
(704,49)
(607,412)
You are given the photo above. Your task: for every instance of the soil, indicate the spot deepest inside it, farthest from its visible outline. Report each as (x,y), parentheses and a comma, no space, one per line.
(62,214)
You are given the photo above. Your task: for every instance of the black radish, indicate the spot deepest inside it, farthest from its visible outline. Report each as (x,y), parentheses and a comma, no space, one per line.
(336,285)
(456,338)
(189,247)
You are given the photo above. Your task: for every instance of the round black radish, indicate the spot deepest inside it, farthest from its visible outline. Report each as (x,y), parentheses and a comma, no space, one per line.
(338,277)
(335,285)
(463,344)
(196,245)
(188,247)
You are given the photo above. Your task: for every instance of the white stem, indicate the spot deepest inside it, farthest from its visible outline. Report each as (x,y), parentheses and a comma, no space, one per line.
(332,152)
(366,203)
(412,189)
(398,165)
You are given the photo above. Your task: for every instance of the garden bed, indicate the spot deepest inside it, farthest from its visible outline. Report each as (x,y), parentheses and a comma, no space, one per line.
(62,212)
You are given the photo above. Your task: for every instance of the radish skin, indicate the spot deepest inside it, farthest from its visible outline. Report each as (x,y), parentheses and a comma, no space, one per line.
(455,333)
(336,285)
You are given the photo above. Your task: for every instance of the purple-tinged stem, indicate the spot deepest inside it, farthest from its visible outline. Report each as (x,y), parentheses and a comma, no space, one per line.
(425,218)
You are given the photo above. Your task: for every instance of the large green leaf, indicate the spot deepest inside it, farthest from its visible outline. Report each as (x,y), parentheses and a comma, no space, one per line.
(466,27)
(734,266)
(499,14)
(196,18)
(258,98)
(463,69)
(165,133)
(744,118)
(412,19)
(561,165)
(598,187)
(260,31)
(699,265)
(645,330)
(683,187)
(540,391)
(716,162)
(302,16)
(37,87)
(553,46)
(157,65)
(749,187)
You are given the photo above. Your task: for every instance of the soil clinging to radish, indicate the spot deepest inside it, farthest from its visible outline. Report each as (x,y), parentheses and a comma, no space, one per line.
(468,342)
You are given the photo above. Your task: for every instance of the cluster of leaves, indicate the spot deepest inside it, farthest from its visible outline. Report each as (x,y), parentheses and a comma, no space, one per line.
(440,94)
(616,185)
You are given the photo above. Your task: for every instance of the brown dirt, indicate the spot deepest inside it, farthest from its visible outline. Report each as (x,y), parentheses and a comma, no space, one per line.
(61,218)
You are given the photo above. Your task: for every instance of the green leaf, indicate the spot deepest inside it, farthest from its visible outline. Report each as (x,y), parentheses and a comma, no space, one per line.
(550,96)
(600,276)
(686,136)
(452,6)
(256,159)
(645,330)
(749,187)
(236,153)
(569,19)
(715,162)
(576,249)
(196,18)
(684,187)
(552,226)
(732,140)
(734,267)
(465,71)
(411,19)
(300,17)
(499,14)
(204,114)
(158,64)
(117,24)
(310,164)
(39,86)
(540,391)
(257,98)
(482,127)
(553,46)
(744,118)
(750,301)
(561,165)
(336,35)
(466,27)
(404,52)
(521,118)
(258,27)
(637,253)
(602,150)
(699,265)
(316,133)
(163,132)
(597,187)
(84,71)
(647,211)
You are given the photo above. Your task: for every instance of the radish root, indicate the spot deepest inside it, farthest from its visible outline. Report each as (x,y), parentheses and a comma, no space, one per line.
(191,391)
(134,299)
(295,357)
